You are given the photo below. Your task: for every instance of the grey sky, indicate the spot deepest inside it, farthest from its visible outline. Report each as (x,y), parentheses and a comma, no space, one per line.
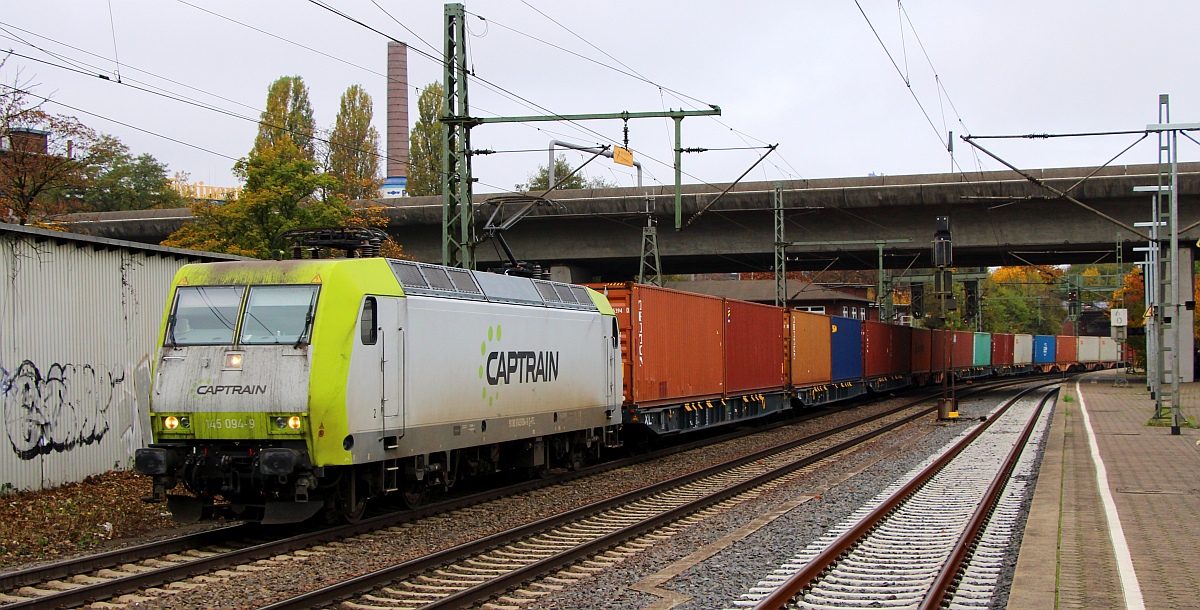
(808,75)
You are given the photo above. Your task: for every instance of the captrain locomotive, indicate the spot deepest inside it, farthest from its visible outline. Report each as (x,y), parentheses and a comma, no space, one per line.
(284,389)
(291,387)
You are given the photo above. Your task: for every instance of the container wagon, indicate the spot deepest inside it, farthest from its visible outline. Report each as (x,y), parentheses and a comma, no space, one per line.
(1002,353)
(1067,352)
(811,361)
(1088,351)
(1108,350)
(887,358)
(674,359)
(1023,353)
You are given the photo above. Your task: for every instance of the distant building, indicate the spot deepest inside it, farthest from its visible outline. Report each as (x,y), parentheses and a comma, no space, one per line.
(848,301)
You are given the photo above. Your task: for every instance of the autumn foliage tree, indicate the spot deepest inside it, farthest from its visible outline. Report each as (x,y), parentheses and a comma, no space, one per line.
(47,155)
(289,115)
(1022,300)
(354,147)
(425,144)
(281,184)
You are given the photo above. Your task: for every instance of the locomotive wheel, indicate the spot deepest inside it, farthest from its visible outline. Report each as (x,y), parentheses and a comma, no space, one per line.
(413,494)
(355,514)
(355,503)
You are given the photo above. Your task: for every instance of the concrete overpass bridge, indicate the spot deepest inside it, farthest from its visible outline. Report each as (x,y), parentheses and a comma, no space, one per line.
(999,218)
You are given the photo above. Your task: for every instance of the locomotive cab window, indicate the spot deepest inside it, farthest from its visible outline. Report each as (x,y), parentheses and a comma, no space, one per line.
(204,315)
(368,327)
(279,314)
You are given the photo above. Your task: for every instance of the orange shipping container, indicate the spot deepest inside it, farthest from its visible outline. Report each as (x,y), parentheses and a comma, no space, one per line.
(755,349)
(672,343)
(1067,349)
(811,349)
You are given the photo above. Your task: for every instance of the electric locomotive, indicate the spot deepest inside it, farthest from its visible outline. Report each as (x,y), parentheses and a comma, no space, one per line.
(284,389)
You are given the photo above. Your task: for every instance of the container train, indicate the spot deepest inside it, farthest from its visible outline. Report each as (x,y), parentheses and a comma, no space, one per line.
(288,389)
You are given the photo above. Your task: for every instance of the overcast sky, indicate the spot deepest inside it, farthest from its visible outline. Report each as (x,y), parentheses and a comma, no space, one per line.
(808,75)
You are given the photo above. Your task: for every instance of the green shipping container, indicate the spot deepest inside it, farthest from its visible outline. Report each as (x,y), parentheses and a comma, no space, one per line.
(983,350)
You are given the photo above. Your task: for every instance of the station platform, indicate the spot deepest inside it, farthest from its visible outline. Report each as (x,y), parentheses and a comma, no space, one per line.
(1074,553)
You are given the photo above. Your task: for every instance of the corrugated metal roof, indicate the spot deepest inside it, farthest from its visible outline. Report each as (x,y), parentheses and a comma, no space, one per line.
(106,243)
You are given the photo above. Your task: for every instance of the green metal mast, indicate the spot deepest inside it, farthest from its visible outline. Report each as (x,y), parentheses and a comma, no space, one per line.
(458,219)
(458,214)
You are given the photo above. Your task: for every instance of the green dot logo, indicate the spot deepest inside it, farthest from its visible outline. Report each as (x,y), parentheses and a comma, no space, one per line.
(493,334)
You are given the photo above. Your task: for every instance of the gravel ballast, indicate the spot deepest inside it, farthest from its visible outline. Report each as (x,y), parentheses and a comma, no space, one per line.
(837,489)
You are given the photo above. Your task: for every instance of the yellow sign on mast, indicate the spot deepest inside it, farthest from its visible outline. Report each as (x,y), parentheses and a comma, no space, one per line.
(623,156)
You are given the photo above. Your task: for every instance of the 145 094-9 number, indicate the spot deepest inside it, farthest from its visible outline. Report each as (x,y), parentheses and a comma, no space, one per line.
(231,423)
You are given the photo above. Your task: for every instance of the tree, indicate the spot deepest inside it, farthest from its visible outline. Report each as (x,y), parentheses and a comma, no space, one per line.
(47,155)
(425,144)
(354,147)
(280,184)
(370,214)
(288,115)
(540,180)
(115,180)
(1022,300)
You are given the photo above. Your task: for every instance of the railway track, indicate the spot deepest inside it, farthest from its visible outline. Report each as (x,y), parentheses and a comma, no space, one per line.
(116,573)
(513,566)
(912,549)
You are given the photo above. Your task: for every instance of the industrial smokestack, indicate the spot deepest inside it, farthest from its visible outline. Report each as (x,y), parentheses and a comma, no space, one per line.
(397,121)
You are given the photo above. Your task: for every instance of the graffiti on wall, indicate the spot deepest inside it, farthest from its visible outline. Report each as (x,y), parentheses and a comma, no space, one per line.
(59,409)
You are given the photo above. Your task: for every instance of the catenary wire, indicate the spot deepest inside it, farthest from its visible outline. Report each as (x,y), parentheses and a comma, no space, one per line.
(123,124)
(907,83)
(209,107)
(629,71)
(512,95)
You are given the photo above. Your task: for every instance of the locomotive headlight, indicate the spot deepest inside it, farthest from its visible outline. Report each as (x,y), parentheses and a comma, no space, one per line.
(281,422)
(185,422)
(233,361)
(170,422)
(293,422)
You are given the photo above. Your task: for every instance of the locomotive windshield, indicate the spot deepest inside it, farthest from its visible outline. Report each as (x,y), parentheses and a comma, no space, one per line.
(278,314)
(205,315)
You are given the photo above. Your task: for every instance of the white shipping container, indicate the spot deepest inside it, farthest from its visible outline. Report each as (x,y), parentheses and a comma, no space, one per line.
(79,320)
(1022,349)
(1089,349)
(1108,350)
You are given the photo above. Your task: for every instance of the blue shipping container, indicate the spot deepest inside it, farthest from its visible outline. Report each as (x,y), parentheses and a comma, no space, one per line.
(1044,349)
(845,344)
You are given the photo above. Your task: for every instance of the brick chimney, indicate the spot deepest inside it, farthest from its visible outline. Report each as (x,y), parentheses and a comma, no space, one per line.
(397,121)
